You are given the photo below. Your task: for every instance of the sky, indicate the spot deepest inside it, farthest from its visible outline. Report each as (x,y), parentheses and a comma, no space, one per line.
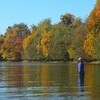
(34,11)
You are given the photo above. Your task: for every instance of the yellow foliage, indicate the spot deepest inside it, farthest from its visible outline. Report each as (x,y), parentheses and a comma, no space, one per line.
(71,52)
(88,45)
(27,41)
(44,44)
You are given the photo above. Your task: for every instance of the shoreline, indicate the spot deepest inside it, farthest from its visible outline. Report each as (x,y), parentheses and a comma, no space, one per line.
(52,62)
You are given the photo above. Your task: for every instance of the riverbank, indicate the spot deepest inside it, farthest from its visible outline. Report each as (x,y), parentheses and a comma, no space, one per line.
(52,62)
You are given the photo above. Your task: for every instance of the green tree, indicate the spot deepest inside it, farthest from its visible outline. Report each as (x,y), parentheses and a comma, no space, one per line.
(75,48)
(58,47)
(44,26)
(18,29)
(67,19)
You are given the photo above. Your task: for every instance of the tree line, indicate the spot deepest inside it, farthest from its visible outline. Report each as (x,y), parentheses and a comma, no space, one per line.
(64,41)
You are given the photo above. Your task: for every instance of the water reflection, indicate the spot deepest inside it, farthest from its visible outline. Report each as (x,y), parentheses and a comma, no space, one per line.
(48,82)
(37,81)
(81,84)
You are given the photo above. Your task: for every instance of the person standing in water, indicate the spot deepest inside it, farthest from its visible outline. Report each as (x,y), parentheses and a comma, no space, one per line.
(81,75)
(80,66)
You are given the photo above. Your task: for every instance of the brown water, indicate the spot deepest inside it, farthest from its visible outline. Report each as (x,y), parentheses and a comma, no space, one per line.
(40,81)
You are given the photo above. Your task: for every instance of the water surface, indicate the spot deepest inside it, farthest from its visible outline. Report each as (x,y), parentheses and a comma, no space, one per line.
(41,81)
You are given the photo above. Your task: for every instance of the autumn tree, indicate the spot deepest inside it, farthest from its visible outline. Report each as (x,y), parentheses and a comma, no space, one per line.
(29,45)
(74,34)
(36,44)
(65,40)
(2,39)
(12,48)
(44,26)
(44,44)
(93,32)
(89,45)
(20,29)
(93,23)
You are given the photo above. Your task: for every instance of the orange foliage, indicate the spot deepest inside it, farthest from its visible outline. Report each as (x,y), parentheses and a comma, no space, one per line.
(89,45)
(93,24)
(11,48)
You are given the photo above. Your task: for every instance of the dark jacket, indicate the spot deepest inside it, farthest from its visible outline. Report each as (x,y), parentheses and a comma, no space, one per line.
(80,67)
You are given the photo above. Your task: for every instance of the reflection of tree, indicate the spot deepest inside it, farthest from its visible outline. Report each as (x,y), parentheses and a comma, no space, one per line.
(59,74)
(97,82)
(64,78)
(45,82)
(72,78)
(89,70)
(45,76)
(72,75)
(91,81)
(31,76)
(27,75)
(63,75)
(14,77)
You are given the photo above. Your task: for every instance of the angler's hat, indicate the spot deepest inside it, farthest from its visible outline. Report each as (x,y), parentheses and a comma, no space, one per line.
(79,58)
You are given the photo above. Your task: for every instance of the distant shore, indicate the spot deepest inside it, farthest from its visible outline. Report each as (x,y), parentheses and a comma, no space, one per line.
(53,62)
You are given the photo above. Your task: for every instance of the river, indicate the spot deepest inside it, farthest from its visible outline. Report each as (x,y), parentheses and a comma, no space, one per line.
(48,81)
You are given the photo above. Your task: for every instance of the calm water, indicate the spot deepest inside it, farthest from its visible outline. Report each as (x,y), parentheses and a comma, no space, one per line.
(32,81)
